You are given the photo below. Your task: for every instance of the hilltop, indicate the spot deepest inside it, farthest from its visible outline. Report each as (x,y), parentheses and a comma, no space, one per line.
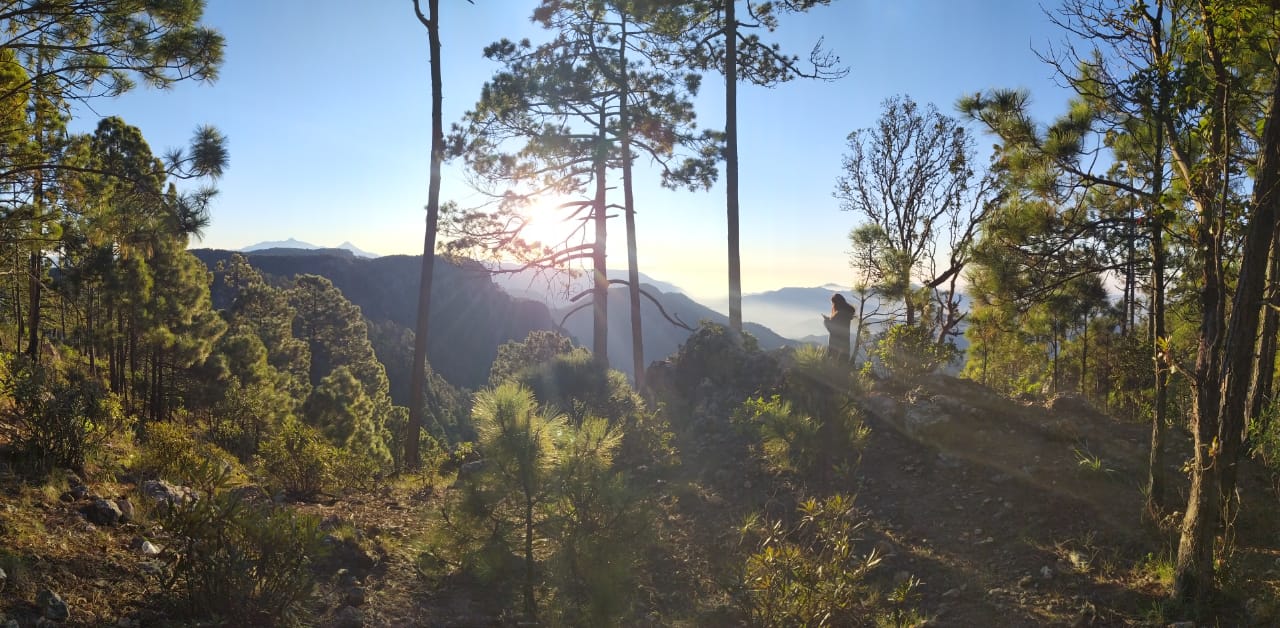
(997,512)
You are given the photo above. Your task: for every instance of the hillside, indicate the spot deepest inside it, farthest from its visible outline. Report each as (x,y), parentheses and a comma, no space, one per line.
(470,316)
(1000,513)
(661,337)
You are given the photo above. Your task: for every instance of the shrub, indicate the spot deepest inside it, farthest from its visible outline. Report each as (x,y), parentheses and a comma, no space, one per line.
(908,352)
(240,563)
(245,416)
(806,574)
(172,451)
(298,460)
(728,359)
(547,484)
(539,347)
(65,415)
(813,427)
(577,386)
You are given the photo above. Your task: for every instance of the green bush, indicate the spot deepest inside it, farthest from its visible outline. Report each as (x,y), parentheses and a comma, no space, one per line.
(574,384)
(245,417)
(728,359)
(544,515)
(908,352)
(538,348)
(65,414)
(809,573)
(813,428)
(171,451)
(239,563)
(298,460)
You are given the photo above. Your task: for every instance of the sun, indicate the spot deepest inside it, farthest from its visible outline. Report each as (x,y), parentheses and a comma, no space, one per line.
(553,222)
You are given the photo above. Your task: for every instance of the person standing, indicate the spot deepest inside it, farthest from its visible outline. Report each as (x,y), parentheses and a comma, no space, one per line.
(838,327)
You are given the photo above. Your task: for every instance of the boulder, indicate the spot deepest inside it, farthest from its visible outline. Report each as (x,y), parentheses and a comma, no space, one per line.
(1072,404)
(920,412)
(349,617)
(162,492)
(250,494)
(103,512)
(882,406)
(355,596)
(126,509)
(51,606)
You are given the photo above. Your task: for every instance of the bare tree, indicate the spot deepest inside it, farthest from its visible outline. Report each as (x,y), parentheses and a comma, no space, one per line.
(912,181)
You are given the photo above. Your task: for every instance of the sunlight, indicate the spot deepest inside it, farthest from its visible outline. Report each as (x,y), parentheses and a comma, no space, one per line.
(549,222)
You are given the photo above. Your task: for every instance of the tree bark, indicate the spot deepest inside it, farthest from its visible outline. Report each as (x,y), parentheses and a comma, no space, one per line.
(1265,365)
(731,162)
(1156,498)
(417,386)
(629,203)
(530,602)
(600,290)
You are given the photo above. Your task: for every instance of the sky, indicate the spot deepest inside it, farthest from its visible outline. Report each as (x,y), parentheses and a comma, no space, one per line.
(326,106)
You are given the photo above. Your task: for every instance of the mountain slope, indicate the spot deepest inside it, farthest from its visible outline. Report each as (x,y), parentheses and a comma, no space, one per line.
(661,338)
(359,252)
(470,316)
(291,243)
(556,291)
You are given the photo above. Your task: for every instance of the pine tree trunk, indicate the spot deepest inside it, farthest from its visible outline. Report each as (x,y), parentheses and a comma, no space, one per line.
(530,604)
(1265,365)
(18,314)
(34,267)
(1084,359)
(1249,302)
(1193,575)
(731,162)
(1220,409)
(629,203)
(1156,494)
(600,290)
(417,392)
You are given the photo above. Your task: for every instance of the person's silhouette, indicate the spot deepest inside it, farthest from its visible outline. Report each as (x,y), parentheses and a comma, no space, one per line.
(838,326)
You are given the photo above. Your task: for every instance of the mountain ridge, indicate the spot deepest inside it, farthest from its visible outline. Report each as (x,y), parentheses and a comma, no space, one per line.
(294,243)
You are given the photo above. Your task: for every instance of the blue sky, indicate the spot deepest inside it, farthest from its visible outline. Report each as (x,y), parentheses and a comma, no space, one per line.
(326,106)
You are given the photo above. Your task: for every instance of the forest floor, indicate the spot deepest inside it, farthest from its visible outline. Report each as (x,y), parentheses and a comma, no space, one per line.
(1006,513)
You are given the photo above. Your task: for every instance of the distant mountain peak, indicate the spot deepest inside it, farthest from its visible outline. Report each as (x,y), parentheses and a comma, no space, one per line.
(294,243)
(357,250)
(291,243)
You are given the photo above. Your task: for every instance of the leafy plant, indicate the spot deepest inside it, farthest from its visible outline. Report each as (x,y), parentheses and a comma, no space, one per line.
(1087,461)
(901,598)
(543,513)
(809,573)
(172,451)
(908,352)
(298,460)
(813,428)
(65,413)
(241,563)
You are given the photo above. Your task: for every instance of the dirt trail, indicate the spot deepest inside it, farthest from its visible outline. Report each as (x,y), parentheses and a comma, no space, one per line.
(1010,514)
